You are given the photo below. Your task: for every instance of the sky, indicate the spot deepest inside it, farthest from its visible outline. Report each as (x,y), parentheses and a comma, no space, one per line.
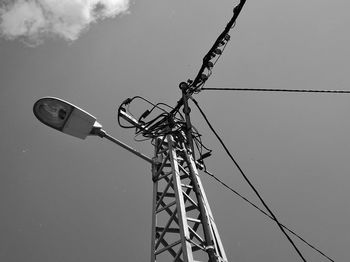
(66,199)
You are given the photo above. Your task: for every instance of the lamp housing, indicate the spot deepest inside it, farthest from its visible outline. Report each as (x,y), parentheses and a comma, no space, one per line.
(65,117)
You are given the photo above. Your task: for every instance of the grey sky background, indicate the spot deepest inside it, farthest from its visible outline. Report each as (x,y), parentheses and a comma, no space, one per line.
(65,199)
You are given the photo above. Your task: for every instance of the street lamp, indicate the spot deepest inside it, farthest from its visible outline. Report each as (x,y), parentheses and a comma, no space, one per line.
(65,117)
(72,120)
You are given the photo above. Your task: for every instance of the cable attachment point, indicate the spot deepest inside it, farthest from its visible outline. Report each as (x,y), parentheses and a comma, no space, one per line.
(183,86)
(203,156)
(186,111)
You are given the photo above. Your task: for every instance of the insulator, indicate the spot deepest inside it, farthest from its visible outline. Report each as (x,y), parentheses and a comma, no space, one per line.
(212,55)
(227,37)
(218,51)
(210,65)
(204,77)
(222,43)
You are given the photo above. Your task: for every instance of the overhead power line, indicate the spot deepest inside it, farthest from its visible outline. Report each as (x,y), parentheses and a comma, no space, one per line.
(249,182)
(216,49)
(266,214)
(275,90)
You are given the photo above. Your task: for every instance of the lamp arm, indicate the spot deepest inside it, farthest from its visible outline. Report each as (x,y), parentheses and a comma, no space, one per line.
(98,131)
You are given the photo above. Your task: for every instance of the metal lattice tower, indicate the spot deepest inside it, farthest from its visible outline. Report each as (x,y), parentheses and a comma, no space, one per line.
(183,228)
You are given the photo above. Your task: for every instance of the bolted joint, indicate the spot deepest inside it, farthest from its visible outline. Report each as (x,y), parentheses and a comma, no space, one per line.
(211,253)
(208,248)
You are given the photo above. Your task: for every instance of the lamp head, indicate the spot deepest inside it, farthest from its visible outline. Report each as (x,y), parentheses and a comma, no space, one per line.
(65,117)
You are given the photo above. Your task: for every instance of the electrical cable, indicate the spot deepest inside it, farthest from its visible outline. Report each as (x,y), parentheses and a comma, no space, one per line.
(157,125)
(275,90)
(266,214)
(248,181)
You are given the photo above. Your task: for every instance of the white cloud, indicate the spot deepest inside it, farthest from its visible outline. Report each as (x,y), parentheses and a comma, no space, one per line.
(32,20)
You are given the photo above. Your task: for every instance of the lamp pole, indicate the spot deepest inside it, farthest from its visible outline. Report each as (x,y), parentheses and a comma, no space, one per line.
(101,133)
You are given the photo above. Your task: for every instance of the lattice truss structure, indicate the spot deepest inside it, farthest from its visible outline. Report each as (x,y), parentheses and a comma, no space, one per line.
(178,233)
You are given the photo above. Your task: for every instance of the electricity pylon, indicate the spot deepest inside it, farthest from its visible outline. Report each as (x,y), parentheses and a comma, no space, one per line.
(183,227)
